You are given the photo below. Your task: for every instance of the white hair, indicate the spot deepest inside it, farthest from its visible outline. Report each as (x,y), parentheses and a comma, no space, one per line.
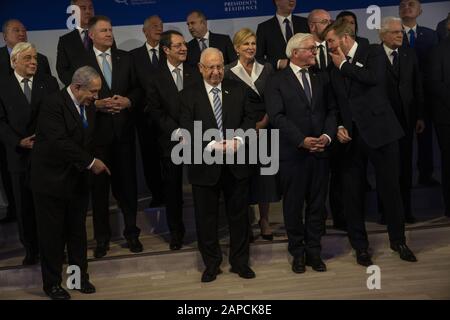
(18,49)
(209,51)
(386,22)
(295,42)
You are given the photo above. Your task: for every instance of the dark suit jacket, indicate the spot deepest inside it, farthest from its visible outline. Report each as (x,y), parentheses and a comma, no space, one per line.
(5,64)
(405,88)
(219,41)
(236,113)
(61,153)
(270,43)
(257,99)
(291,113)
(164,102)
(143,65)
(118,126)
(71,55)
(362,98)
(18,117)
(441,30)
(440,82)
(362,41)
(425,40)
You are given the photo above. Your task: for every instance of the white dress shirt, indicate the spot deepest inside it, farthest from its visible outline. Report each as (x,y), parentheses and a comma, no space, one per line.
(350,54)
(206,37)
(100,58)
(240,71)
(389,53)
(325,51)
(22,85)
(150,53)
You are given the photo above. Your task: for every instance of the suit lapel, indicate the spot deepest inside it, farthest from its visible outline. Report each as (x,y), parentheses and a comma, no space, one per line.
(277,28)
(115,61)
(314,88)
(72,108)
(16,87)
(169,78)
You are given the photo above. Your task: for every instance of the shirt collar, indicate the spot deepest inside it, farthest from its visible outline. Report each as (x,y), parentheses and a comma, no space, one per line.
(352,51)
(149,47)
(75,101)
(98,52)
(171,67)
(206,37)
(389,50)
(323,43)
(295,68)
(80,30)
(408,28)
(281,18)
(20,78)
(210,87)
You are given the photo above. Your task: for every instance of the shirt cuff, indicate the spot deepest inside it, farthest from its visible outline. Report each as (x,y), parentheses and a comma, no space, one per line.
(329,139)
(340,66)
(341,127)
(278,64)
(240,140)
(209,147)
(90,166)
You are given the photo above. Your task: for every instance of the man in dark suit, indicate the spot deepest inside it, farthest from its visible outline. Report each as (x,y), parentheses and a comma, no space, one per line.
(300,104)
(73,47)
(369,129)
(164,106)
(273,34)
(421,39)
(114,136)
(443,28)
(318,20)
(219,104)
(440,87)
(20,100)
(405,92)
(203,38)
(147,60)
(60,166)
(13,33)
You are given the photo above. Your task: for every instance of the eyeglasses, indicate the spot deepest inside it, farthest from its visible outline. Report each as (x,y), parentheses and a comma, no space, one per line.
(324,21)
(396,31)
(179,45)
(311,49)
(210,68)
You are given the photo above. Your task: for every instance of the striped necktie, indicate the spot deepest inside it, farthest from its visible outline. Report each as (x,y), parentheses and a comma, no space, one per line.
(217,109)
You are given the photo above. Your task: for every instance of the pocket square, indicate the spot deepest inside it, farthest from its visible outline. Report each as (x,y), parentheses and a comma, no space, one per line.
(359,64)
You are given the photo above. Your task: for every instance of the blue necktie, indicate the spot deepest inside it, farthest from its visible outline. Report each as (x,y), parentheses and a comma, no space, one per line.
(306,86)
(217,109)
(412,38)
(83,116)
(288,29)
(107,73)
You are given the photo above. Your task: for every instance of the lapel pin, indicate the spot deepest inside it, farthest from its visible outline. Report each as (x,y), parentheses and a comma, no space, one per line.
(226,91)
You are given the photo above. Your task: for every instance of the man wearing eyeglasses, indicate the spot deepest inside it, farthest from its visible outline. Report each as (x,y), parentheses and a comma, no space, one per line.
(405,91)
(368,128)
(219,104)
(318,20)
(299,103)
(164,107)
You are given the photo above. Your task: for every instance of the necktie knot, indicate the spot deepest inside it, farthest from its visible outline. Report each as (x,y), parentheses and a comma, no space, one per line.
(215,90)
(25,80)
(104,54)
(394,54)
(286,20)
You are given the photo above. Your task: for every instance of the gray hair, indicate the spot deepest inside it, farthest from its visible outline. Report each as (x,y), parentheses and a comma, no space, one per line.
(147,21)
(386,22)
(209,51)
(295,42)
(18,49)
(84,75)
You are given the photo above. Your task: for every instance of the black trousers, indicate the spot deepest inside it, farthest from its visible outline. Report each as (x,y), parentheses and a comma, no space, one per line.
(405,146)
(26,218)
(61,221)
(443,134)
(120,158)
(385,161)
(304,180)
(151,159)
(206,204)
(7,182)
(173,190)
(425,157)
(335,192)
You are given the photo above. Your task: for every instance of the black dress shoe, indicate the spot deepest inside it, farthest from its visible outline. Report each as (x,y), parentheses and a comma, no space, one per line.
(56,292)
(268,236)
(30,259)
(210,274)
(316,263)
(135,245)
(176,241)
(298,264)
(404,252)
(363,258)
(428,181)
(101,249)
(87,287)
(243,272)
